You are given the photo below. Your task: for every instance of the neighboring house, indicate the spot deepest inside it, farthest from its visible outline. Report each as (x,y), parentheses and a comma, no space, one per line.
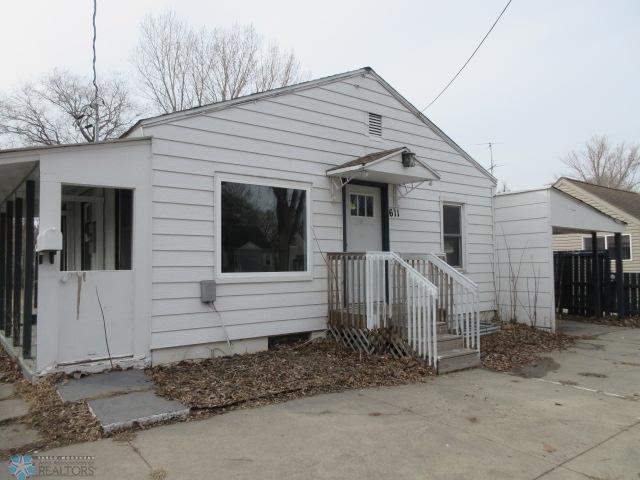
(253,194)
(621,204)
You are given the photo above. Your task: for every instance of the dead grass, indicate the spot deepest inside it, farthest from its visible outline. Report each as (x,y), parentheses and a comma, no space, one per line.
(517,345)
(281,374)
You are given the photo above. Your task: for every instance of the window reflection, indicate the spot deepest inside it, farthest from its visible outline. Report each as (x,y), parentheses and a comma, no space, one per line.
(263,228)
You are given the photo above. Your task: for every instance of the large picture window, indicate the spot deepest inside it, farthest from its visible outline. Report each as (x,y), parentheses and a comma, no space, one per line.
(452,234)
(263,228)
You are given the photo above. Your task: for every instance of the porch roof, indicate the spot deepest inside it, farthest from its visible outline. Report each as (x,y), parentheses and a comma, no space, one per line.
(12,175)
(385,166)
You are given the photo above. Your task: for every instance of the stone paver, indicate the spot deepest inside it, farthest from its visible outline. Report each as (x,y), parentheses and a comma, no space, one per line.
(7,390)
(16,435)
(139,407)
(108,383)
(12,408)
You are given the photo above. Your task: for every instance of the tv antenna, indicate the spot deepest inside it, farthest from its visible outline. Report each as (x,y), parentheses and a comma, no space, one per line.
(492,165)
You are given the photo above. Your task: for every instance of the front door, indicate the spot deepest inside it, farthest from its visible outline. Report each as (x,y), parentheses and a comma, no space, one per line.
(364,219)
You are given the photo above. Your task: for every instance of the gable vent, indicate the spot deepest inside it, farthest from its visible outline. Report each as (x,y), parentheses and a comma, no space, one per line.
(375,124)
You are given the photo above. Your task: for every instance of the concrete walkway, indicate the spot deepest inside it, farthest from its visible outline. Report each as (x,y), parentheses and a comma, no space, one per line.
(555,424)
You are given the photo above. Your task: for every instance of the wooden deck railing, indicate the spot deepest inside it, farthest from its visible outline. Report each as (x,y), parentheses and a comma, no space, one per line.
(379,290)
(376,290)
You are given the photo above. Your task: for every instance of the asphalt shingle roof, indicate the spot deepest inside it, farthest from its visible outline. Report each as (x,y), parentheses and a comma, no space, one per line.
(625,200)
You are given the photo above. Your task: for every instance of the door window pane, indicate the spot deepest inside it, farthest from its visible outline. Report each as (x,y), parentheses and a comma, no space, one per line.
(263,228)
(369,206)
(361,205)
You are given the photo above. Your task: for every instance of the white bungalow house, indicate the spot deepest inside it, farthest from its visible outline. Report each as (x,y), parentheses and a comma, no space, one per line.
(333,202)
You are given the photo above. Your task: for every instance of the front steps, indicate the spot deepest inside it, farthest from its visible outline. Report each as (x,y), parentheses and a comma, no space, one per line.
(452,356)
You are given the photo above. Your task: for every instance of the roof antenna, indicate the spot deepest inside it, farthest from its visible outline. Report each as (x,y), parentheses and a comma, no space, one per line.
(492,165)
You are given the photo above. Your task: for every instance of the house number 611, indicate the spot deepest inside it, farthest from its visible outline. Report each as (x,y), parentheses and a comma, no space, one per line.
(394,212)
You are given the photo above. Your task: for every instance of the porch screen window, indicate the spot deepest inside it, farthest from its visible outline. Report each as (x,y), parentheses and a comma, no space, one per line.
(263,228)
(97,228)
(452,234)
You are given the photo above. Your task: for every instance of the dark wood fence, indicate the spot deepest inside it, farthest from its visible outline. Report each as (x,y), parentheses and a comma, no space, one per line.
(574,286)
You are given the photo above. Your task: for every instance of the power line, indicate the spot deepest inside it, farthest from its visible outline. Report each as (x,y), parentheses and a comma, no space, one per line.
(96,129)
(469,59)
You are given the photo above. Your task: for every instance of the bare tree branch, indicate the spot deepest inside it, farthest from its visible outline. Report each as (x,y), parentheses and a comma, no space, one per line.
(56,110)
(180,67)
(616,166)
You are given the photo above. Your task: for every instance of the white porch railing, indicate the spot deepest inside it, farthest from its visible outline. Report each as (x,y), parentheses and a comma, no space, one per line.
(458,296)
(376,290)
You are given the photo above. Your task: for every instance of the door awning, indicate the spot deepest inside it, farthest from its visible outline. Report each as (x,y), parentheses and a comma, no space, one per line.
(398,166)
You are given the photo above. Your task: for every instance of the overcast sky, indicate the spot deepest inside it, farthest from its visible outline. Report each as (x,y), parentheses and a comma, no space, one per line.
(551,74)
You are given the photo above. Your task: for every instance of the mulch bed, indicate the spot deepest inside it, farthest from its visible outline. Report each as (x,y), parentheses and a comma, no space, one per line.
(517,345)
(58,423)
(217,385)
(612,321)
(286,372)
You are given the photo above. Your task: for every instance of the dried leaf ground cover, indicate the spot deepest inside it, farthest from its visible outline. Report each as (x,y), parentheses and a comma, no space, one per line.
(57,422)
(517,345)
(612,321)
(286,372)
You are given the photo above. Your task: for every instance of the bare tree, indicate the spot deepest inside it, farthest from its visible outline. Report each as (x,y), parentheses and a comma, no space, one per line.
(180,67)
(602,163)
(56,110)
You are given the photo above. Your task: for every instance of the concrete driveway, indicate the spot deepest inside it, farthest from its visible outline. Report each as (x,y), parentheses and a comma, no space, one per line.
(575,416)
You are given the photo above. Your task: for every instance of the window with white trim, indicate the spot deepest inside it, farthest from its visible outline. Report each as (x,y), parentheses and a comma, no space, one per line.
(452,233)
(586,243)
(608,243)
(263,228)
(626,246)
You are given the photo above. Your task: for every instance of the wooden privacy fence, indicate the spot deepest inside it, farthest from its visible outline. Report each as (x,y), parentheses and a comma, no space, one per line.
(574,284)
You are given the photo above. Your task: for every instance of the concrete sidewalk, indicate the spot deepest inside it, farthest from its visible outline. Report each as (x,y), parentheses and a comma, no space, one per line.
(557,424)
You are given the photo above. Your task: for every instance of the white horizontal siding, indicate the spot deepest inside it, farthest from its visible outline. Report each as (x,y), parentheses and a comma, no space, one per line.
(523,258)
(294,137)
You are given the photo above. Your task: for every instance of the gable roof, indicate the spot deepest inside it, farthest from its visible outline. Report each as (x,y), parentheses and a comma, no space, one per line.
(625,200)
(311,84)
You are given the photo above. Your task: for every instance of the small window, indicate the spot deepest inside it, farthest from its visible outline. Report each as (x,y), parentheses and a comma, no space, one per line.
(97,228)
(361,205)
(263,228)
(452,234)
(375,124)
(626,246)
(586,243)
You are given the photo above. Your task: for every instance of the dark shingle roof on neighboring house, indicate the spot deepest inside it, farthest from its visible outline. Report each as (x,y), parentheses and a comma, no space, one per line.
(625,200)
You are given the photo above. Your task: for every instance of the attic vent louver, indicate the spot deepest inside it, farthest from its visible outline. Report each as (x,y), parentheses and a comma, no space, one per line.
(375,124)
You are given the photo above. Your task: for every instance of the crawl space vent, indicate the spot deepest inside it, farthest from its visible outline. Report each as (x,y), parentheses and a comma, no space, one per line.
(375,124)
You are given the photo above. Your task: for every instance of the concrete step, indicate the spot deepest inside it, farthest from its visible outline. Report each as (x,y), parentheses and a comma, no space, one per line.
(457,359)
(448,341)
(441,327)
